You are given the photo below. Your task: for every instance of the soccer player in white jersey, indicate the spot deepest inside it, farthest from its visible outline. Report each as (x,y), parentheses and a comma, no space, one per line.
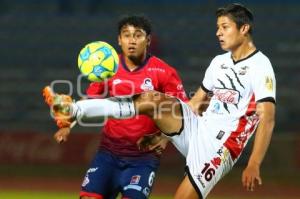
(240,88)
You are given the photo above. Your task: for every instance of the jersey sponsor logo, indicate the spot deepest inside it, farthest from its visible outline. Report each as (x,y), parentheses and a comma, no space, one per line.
(216,108)
(223,153)
(199,178)
(157,69)
(269,83)
(147,85)
(243,70)
(223,66)
(135,179)
(228,96)
(220,135)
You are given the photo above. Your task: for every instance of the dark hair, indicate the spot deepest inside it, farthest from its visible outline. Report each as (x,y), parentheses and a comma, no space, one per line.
(139,21)
(238,13)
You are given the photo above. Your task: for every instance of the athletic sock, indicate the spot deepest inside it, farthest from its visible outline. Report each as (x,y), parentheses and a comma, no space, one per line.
(116,107)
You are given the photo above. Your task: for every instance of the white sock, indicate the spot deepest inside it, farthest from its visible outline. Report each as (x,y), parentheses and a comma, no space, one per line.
(116,107)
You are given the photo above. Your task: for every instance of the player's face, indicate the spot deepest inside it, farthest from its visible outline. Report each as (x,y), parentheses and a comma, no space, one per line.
(229,36)
(133,41)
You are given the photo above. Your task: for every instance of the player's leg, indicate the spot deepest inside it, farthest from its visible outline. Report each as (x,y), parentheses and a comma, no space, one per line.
(98,182)
(137,177)
(186,190)
(165,110)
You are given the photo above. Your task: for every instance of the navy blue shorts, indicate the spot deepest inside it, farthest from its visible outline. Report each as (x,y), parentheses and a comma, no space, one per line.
(109,175)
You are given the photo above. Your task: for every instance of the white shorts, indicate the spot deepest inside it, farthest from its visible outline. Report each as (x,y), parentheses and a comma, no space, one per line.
(207,160)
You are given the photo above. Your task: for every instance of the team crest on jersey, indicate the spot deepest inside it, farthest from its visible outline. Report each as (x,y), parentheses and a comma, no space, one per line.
(243,70)
(147,85)
(269,83)
(135,179)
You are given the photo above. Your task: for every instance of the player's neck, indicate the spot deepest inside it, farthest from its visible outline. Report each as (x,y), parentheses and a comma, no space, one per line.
(243,51)
(133,63)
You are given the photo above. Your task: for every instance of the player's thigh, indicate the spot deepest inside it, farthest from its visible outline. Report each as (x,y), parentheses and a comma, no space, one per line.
(169,118)
(186,190)
(137,181)
(165,110)
(190,122)
(208,160)
(99,181)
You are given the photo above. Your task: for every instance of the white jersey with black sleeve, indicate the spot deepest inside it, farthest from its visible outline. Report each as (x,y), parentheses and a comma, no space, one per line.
(237,85)
(212,143)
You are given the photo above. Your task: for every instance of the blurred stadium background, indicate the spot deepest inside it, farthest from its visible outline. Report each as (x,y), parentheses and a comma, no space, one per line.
(40,41)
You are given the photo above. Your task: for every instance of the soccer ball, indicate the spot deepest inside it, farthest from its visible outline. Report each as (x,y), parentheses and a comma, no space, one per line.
(98,61)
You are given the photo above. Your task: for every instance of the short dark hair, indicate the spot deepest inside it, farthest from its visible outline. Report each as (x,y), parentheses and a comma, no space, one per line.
(139,21)
(238,13)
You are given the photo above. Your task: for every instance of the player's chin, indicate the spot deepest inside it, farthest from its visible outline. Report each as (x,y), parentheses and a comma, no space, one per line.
(133,56)
(225,48)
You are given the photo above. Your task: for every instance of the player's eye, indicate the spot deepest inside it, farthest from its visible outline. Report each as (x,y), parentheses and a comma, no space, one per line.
(139,35)
(126,35)
(225,27)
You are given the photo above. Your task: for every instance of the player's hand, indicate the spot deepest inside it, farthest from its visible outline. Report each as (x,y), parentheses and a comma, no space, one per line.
(154,142)
(62,134)
(251,177)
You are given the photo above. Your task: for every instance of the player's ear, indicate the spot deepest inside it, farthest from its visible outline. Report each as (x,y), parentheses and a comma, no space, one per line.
(148,40)
(245,29)
(119,40)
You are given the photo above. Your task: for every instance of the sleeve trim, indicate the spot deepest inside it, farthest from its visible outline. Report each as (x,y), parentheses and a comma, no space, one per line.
(267,99)
(205,89)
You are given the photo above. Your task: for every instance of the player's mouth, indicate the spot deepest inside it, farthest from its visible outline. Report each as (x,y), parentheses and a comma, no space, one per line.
(222,42)
(131,49)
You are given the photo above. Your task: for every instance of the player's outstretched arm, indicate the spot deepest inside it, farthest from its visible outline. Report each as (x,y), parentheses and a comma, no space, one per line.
(251,175)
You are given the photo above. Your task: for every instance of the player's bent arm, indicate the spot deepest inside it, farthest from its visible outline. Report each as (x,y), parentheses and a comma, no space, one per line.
(266,112)
(251,175)
(199,101)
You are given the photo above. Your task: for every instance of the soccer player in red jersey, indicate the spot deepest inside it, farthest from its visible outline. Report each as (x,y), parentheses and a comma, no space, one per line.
(120,166)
